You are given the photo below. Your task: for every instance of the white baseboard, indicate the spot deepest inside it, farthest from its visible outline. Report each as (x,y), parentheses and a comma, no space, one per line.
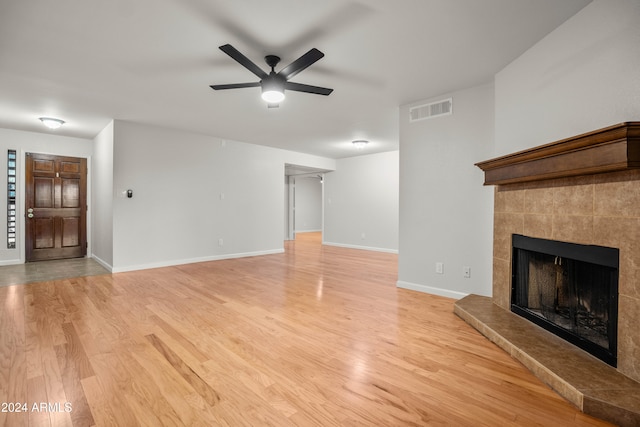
(430,290)
(193,260)
(11,262)
(103,263)
(364,248)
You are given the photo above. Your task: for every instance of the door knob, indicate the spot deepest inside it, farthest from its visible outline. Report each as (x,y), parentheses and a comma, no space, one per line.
(30,215)
(30,210)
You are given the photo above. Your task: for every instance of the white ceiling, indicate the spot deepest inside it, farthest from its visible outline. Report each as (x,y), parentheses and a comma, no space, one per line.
(152,61)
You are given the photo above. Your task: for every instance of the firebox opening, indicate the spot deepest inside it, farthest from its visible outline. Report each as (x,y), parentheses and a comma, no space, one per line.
(570,290)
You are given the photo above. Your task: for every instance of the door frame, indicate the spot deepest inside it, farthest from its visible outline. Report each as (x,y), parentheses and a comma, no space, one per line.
(21,197)
(291,207)
(290,203)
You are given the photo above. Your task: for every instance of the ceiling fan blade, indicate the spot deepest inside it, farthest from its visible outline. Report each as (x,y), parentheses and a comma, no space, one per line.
(243,60)
(301,63)
(298,87)
(234,86)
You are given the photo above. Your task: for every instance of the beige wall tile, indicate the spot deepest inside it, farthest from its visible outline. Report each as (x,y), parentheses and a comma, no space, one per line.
(622,233)
(574,229)
(504,225)
(501,276)
(617,194)
(539,200)
(537,225)
(628,337)
(509,198)
(573,200)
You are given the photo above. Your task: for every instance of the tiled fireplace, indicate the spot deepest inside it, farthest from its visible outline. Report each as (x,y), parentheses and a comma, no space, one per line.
(583,190)
(601,210)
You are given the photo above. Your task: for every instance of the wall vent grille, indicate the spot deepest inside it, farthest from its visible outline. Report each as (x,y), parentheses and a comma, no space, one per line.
(431,110)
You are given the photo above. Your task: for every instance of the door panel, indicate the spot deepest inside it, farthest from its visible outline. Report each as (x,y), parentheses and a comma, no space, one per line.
(70,193)
(70,231)
(44,191)
(56,207)
(44,233)
(69,167)
(43,165)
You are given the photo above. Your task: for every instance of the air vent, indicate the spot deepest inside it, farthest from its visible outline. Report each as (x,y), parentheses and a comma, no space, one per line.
(429,111)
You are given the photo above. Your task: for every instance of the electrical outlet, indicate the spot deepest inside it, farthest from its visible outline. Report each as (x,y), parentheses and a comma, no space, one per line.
(466,272)
(220,242)
(439,268)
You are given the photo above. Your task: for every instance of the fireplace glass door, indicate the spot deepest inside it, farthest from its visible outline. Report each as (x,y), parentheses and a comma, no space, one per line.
(570,290)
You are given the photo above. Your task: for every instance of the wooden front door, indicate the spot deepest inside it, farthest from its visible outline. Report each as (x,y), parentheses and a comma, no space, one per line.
(56,207)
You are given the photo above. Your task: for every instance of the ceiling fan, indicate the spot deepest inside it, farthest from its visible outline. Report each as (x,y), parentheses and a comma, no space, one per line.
(274,84)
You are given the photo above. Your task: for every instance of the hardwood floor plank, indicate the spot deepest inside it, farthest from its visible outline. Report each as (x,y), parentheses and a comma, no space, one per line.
(81,413)
(75,352)
(149,405)
(13,360)
(54,385)
(113,381)
(210,395)
(315,336)
(37,393)
(174,390)
(49,313)
(180,339)
(98,401)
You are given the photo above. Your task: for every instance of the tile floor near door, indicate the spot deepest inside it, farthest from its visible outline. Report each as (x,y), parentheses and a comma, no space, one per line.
(42,271)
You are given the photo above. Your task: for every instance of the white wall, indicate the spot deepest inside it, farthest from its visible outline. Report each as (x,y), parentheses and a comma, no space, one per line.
(102,191)
(583,76)
(361,199)
(308,201)
(445,211)
(24,142)
(191,190)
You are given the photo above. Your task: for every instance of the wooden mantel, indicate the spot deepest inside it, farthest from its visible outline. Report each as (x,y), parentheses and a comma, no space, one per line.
(610,149)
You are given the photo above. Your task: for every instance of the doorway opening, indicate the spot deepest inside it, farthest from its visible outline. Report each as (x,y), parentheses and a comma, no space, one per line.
(304,194)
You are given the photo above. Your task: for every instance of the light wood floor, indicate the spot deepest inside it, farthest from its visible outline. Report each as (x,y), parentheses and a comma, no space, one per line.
(317,336)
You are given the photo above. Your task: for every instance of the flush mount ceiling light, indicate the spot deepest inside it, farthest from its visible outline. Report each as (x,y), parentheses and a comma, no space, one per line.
(51,123)
(360,143)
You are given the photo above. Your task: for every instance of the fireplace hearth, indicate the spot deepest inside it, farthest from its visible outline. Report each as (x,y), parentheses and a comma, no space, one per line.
(569,289)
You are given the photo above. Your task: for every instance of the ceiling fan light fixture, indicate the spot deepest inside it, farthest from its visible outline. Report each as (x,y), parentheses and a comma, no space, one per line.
(273,89)
(360,143)
(273,84)
(51,123)
(273,96)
